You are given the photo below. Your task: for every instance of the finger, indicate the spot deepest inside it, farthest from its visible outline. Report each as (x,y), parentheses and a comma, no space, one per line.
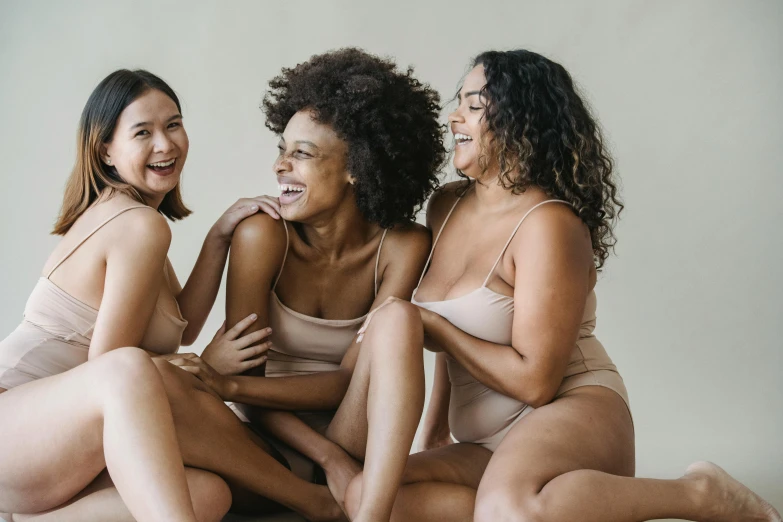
(252,338)
(253,363)
(268,200)
(240,327)
(255,351)
(270,210)
(220,331)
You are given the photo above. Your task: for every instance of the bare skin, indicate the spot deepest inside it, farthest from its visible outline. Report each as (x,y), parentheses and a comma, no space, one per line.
(119,272)
(330,276)
(573,457)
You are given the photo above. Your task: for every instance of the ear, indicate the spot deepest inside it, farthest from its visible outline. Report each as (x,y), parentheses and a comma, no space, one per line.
(105,157)
(351,180)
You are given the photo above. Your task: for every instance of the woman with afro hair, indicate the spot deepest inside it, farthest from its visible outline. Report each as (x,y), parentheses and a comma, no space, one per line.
(539,412)
(359,153)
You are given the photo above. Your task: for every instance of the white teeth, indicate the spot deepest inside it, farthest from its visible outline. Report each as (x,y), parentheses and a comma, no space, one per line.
(291,188)
(163,163)
(462,137)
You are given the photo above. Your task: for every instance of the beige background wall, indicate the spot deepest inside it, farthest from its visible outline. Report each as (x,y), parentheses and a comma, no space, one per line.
(689,95)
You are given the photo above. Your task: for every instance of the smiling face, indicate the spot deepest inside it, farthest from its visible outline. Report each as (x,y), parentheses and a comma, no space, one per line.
(468,125)
(149,146)
(311,168)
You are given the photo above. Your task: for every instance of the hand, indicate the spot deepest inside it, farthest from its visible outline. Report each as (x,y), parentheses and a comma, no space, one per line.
(431,439)
(192,363)
(243,208)
(228,353)
(360,333)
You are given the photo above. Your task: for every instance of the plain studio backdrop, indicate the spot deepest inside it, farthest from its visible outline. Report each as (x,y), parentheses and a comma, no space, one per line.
(687,92)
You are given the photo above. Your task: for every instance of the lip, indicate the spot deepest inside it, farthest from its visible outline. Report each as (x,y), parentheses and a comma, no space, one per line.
(164,172)
(288,198)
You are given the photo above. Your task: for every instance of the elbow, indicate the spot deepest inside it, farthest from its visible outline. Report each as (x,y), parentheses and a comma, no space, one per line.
(536,392)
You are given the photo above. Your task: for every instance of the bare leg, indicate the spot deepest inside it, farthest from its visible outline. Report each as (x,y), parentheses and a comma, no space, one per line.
(211,437)
(60,432)
(101,502)
(338,465)
(438,485)
(377,419)
(573,459)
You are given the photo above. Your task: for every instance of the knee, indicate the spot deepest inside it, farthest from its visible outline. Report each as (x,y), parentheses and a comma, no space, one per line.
(210,495)
(395,319)
(126,366)
(353,495)
(508,505)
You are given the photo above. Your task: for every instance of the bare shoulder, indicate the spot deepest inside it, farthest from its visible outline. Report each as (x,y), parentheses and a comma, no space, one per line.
(140,229)
(409,240)
(260,231)
(556,228)
(441,202)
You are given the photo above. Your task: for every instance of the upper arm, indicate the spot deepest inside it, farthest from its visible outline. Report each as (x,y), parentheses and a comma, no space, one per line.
(256,256)
(135,258)
(402,259)
(552,257)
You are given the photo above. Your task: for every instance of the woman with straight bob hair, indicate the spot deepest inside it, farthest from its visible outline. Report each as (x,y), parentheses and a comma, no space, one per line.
(78,393)
(540,413)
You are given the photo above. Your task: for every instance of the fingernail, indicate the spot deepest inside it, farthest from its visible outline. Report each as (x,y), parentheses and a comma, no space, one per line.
(268,329)
(253,316)
(254,207)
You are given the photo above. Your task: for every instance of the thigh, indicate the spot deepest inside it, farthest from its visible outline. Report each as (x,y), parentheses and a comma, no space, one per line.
(461,463)
(52,438)
(587,428)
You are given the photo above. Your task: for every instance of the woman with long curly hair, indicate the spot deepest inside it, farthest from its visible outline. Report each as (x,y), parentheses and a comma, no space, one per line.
(359,152)
(540,413)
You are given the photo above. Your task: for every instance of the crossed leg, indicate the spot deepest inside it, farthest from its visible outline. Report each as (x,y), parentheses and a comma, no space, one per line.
(61,432)
(377,419)
(439,485)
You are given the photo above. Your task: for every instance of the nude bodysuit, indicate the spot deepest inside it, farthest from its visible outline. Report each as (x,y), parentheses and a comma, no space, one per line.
(55,333)
(483,416)
(301,345)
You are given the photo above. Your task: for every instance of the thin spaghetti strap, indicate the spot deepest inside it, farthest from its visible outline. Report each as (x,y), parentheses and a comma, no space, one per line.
(378,259)
(515,232)
(285,255)
(432,250)
(88,236)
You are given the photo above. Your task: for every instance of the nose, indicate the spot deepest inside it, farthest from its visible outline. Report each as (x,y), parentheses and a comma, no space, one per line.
(282,164)
(163,142)
(456,116)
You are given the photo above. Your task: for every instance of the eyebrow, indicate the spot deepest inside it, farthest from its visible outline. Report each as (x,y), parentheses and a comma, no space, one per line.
(143,123)
(468,94)
(301,142)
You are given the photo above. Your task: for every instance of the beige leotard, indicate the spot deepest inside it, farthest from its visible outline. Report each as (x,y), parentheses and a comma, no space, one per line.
(55,333)
(483,416)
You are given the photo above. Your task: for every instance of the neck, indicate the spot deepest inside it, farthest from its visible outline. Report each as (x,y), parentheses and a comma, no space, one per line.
(490,194)
(338,231)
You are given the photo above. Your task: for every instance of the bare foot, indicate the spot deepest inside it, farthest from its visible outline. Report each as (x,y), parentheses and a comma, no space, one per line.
(340,469)
(728,500)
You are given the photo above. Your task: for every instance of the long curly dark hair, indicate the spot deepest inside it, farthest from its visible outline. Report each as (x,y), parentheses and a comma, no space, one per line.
(541,133)
(388,118)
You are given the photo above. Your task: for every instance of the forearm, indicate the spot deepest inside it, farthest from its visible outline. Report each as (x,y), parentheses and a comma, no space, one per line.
(499,367)
(197,297)
(317,391)
(294,432)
